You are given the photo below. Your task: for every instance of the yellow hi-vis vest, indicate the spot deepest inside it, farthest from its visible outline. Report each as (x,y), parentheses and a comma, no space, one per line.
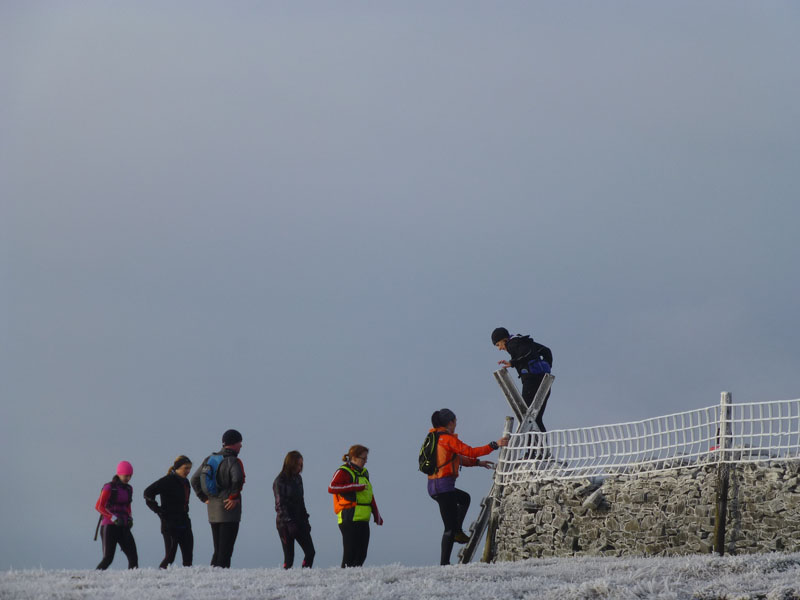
(362,503)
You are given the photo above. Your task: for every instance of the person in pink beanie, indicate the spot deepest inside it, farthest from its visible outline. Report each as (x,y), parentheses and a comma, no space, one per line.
(114,506)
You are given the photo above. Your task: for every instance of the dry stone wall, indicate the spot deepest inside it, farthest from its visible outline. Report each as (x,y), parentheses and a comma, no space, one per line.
(651,513)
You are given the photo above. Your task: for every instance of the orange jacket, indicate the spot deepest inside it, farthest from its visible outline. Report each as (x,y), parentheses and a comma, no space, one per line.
(451,453)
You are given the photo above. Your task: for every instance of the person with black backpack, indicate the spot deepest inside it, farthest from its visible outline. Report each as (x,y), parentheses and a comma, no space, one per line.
(176,527)
(532,361)
(441,457)
(114,506)
(218,482)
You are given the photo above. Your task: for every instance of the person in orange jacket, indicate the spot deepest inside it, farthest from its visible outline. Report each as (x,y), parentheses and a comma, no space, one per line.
(451,455)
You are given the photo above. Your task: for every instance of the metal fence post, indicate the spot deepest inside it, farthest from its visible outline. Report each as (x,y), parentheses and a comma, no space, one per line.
(723,472)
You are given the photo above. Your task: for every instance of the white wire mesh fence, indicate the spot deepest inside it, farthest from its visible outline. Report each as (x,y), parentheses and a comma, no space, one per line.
(753,432)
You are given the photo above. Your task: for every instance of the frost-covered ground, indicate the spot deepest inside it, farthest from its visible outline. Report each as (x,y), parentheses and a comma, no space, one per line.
(772,576)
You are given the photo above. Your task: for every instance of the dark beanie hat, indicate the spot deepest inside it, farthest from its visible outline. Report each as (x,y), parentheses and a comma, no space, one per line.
(442,417)
(231,437)
(501,333)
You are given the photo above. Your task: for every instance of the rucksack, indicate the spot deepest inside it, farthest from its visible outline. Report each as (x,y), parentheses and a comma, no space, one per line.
(427,454)
(208,480)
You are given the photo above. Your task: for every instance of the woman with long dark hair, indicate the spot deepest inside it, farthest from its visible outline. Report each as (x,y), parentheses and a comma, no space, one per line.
(176,527)
(291,517)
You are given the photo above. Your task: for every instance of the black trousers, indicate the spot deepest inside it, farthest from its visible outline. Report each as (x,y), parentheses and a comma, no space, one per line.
(291,533)
(113,535)
(530,385)
(175,537)
(453,507)
(355,541)
(224,535)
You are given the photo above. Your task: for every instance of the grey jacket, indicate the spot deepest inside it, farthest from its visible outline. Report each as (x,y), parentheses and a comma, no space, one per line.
(230,476)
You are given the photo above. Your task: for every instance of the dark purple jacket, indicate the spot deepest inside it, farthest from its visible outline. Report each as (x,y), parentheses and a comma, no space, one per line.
(121,506)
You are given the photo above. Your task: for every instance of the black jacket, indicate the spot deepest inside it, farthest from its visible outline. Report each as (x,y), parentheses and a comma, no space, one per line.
(174,491)
(523,350)
(289,502)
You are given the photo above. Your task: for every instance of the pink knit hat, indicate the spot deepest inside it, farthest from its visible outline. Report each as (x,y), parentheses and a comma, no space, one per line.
(124,468)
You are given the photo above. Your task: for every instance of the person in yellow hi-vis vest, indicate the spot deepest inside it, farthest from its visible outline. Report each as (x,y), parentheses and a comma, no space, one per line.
(354,504)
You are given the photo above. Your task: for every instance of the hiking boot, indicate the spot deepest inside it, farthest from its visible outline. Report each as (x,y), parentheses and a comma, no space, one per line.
(461,537)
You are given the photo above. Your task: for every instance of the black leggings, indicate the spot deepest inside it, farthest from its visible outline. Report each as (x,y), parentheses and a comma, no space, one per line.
(224,535)
(173,538)
(453,507)
(355,541)
(113,535)
(289,533)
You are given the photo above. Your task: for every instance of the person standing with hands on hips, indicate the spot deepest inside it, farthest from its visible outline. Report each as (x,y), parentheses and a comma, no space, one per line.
(354,504)
(176,527)
(218,482)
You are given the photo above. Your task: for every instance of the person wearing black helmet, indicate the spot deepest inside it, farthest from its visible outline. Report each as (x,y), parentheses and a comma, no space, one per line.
(218,482)
(532,361)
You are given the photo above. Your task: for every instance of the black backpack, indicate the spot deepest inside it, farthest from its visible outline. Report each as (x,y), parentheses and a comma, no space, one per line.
(427,454)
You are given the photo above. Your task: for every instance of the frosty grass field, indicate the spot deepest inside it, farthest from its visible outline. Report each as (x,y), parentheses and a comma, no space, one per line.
(770,576)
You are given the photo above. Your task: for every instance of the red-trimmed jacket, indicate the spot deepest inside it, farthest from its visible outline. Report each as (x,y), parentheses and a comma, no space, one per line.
(344,491)
(121,507)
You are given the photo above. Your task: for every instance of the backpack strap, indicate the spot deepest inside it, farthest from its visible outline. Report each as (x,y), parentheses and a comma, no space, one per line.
(436,436)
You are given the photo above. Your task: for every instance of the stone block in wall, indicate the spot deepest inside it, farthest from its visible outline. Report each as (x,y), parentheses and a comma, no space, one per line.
(647,523)
(594,500)
(631,526)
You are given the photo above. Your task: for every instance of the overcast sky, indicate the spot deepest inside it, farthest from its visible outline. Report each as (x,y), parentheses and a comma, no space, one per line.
(303,220)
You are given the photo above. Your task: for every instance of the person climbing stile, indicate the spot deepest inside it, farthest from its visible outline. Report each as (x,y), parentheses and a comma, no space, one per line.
(451,455)
(532,361)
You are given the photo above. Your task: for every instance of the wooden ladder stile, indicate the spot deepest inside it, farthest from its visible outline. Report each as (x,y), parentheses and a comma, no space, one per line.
(526,419)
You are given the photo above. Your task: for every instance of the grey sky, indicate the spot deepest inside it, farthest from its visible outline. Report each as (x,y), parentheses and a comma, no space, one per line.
(303,221)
